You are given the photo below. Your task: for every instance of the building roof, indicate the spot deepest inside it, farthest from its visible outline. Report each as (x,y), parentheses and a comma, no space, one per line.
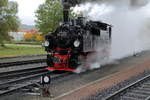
(32,31)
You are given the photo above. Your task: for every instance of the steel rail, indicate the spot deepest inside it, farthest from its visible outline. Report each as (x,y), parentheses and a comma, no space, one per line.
(148,98)
(22,79)
(23,56)
(115,94)
(10,64)
(53,77)
(21,72)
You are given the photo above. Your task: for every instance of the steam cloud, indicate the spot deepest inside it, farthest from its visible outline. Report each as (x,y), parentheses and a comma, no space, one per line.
(132,2)
(130,20)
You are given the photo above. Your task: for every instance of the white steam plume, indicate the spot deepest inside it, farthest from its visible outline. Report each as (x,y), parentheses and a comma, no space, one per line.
(131,28)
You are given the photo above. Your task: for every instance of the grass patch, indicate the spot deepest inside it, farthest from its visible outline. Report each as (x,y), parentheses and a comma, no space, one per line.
(20,50)
(31,43)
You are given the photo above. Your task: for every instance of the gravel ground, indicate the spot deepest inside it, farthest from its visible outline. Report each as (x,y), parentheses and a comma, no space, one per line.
(127,68)
(75,81)
(103,94)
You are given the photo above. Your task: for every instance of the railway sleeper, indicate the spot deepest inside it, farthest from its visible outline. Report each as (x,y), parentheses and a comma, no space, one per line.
(140,92)
(128,98)
(22,62)
(146,86)
(147,83)
(142,88)
(5,87)
(138,96)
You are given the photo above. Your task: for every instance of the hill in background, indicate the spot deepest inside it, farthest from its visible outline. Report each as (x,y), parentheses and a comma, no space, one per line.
(27,27)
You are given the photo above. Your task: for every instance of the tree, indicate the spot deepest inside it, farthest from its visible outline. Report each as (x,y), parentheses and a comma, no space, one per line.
(8,19)
(49,16)
(29,36)
(39,37)
(33,36)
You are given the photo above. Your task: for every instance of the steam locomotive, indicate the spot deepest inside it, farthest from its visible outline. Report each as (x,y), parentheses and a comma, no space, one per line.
(71,43)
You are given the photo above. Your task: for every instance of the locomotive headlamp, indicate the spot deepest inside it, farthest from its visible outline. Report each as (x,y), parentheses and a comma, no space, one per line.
(76,43)
(46,43)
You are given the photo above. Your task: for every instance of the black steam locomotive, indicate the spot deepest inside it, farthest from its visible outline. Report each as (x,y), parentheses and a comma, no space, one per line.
(70,44)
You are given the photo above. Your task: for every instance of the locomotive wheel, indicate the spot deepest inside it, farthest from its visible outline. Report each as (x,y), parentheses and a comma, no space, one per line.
(81,60)
(73,63)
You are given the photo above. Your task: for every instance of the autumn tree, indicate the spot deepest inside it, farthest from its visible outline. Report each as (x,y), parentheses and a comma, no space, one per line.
(29,36)
(39,37)
(8,19)
(33,36)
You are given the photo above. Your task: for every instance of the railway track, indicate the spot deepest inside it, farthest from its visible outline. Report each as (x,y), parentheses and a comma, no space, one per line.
(11,74)
(26,56)
(139,90)
(12,60)
(15,80)
(16,63)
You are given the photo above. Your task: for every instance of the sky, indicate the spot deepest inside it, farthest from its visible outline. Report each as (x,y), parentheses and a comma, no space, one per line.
(27,9)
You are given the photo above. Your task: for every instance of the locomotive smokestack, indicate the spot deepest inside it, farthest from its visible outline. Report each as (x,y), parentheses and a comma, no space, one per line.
(66,13)
(66,8)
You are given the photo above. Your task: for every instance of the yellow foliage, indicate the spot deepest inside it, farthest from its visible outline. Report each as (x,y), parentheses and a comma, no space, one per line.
(33,36)
(28,36)
(39,37)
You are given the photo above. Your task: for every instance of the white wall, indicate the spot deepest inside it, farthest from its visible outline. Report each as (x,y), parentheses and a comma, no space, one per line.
(17,36)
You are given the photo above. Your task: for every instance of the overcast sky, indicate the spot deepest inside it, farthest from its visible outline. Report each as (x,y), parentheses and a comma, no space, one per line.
(27,9)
